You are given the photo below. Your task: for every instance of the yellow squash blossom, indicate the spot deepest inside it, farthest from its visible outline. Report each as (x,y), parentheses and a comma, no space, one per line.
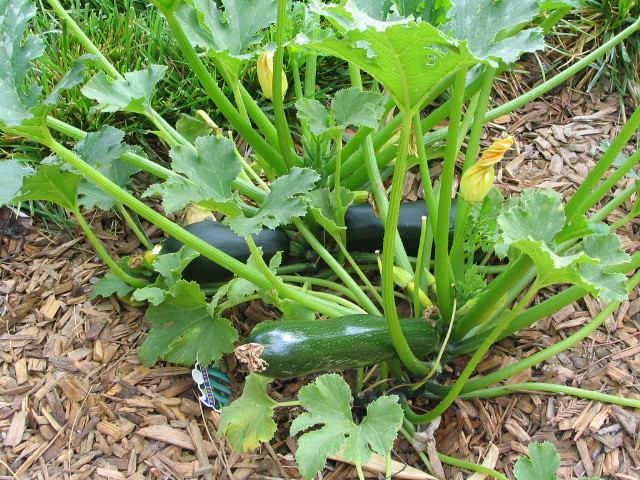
(478,180)
(265,74)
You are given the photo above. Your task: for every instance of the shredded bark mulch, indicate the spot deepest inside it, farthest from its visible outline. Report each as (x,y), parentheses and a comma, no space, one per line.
(76,403)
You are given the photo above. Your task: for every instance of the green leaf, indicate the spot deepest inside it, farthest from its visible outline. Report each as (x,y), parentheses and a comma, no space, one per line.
(109,285)
(12,174)
(187,331)
(314,113)
(247,421)
(542,464)
(408,59)
(353,106)
(350,106)
(205,176)
(280,205)
(53,184)
(327,402)
(537,214)
(324,208)
(170,267)
(192,128)
(102,150)
(73,77)
(131,94)
(16,54)
(607,249)
(478,22)
(292,310)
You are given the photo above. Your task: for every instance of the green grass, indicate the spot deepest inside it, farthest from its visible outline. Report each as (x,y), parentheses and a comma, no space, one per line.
(132,37)
(591,26)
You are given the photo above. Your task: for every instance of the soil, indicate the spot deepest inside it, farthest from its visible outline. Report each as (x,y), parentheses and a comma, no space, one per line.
(76,403)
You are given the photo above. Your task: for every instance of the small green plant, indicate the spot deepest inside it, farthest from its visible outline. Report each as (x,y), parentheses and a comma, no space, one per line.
(542,463)
(413,55)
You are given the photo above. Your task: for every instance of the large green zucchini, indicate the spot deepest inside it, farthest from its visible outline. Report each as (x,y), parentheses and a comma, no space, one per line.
(204,270)
(365,232)
(290,348)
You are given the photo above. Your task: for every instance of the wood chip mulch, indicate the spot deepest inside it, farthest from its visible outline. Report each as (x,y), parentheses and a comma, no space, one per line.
(76,403)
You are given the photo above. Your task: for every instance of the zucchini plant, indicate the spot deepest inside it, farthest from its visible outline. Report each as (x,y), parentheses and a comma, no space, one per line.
(474,263)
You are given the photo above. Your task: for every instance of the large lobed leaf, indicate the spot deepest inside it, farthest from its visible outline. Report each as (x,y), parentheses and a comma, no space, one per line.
(188,331)
(203,175)
(16,54)
(327,402)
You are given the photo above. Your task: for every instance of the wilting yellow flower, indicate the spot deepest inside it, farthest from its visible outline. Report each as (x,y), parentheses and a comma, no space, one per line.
(265,74)
(478,180)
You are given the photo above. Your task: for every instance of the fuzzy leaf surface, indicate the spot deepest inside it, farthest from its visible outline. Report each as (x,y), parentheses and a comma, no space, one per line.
(12,174)
(408,59)
(281,204)
(131,94)
(187,331)
(542,464)
(247,421)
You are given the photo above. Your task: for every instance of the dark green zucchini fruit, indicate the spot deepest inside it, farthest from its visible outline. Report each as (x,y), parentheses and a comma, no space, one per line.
(365,232)
(204,270)
(291,348)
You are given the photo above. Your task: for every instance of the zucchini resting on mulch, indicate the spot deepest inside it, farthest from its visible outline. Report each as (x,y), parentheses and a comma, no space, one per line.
(291,348)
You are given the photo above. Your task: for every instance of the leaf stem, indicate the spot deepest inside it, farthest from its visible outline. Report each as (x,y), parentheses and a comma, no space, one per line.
(100,250)
(443,266)
(282,126)
(388,255)
(551,388)
(473,362)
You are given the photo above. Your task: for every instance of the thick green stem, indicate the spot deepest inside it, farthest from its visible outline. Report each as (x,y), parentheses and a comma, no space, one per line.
(552,388)
(240,124)
(282,126)
(182,235)
(134,226)
(443,266)
(543,355)
(457,252)
(390,233)
(585,199)
(100,250)
(544,87)
(456,389)
(332,263)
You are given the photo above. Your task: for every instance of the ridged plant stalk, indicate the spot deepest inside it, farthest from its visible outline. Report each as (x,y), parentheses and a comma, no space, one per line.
(473,146)
(213,90)
(282,126)
(388,255)
(324,306)
(443,265)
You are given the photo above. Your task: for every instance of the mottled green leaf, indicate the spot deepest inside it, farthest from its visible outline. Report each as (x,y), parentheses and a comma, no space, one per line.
(53,184)
(478,22)
(542,464)
(327,402)
(131,94)
(103,150)
(19,95)
(110,284)
(203,175)
(280,205)
(12,174)
(187,330)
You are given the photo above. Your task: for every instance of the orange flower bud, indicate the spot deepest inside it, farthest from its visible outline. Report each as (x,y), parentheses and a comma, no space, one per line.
(265,74)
